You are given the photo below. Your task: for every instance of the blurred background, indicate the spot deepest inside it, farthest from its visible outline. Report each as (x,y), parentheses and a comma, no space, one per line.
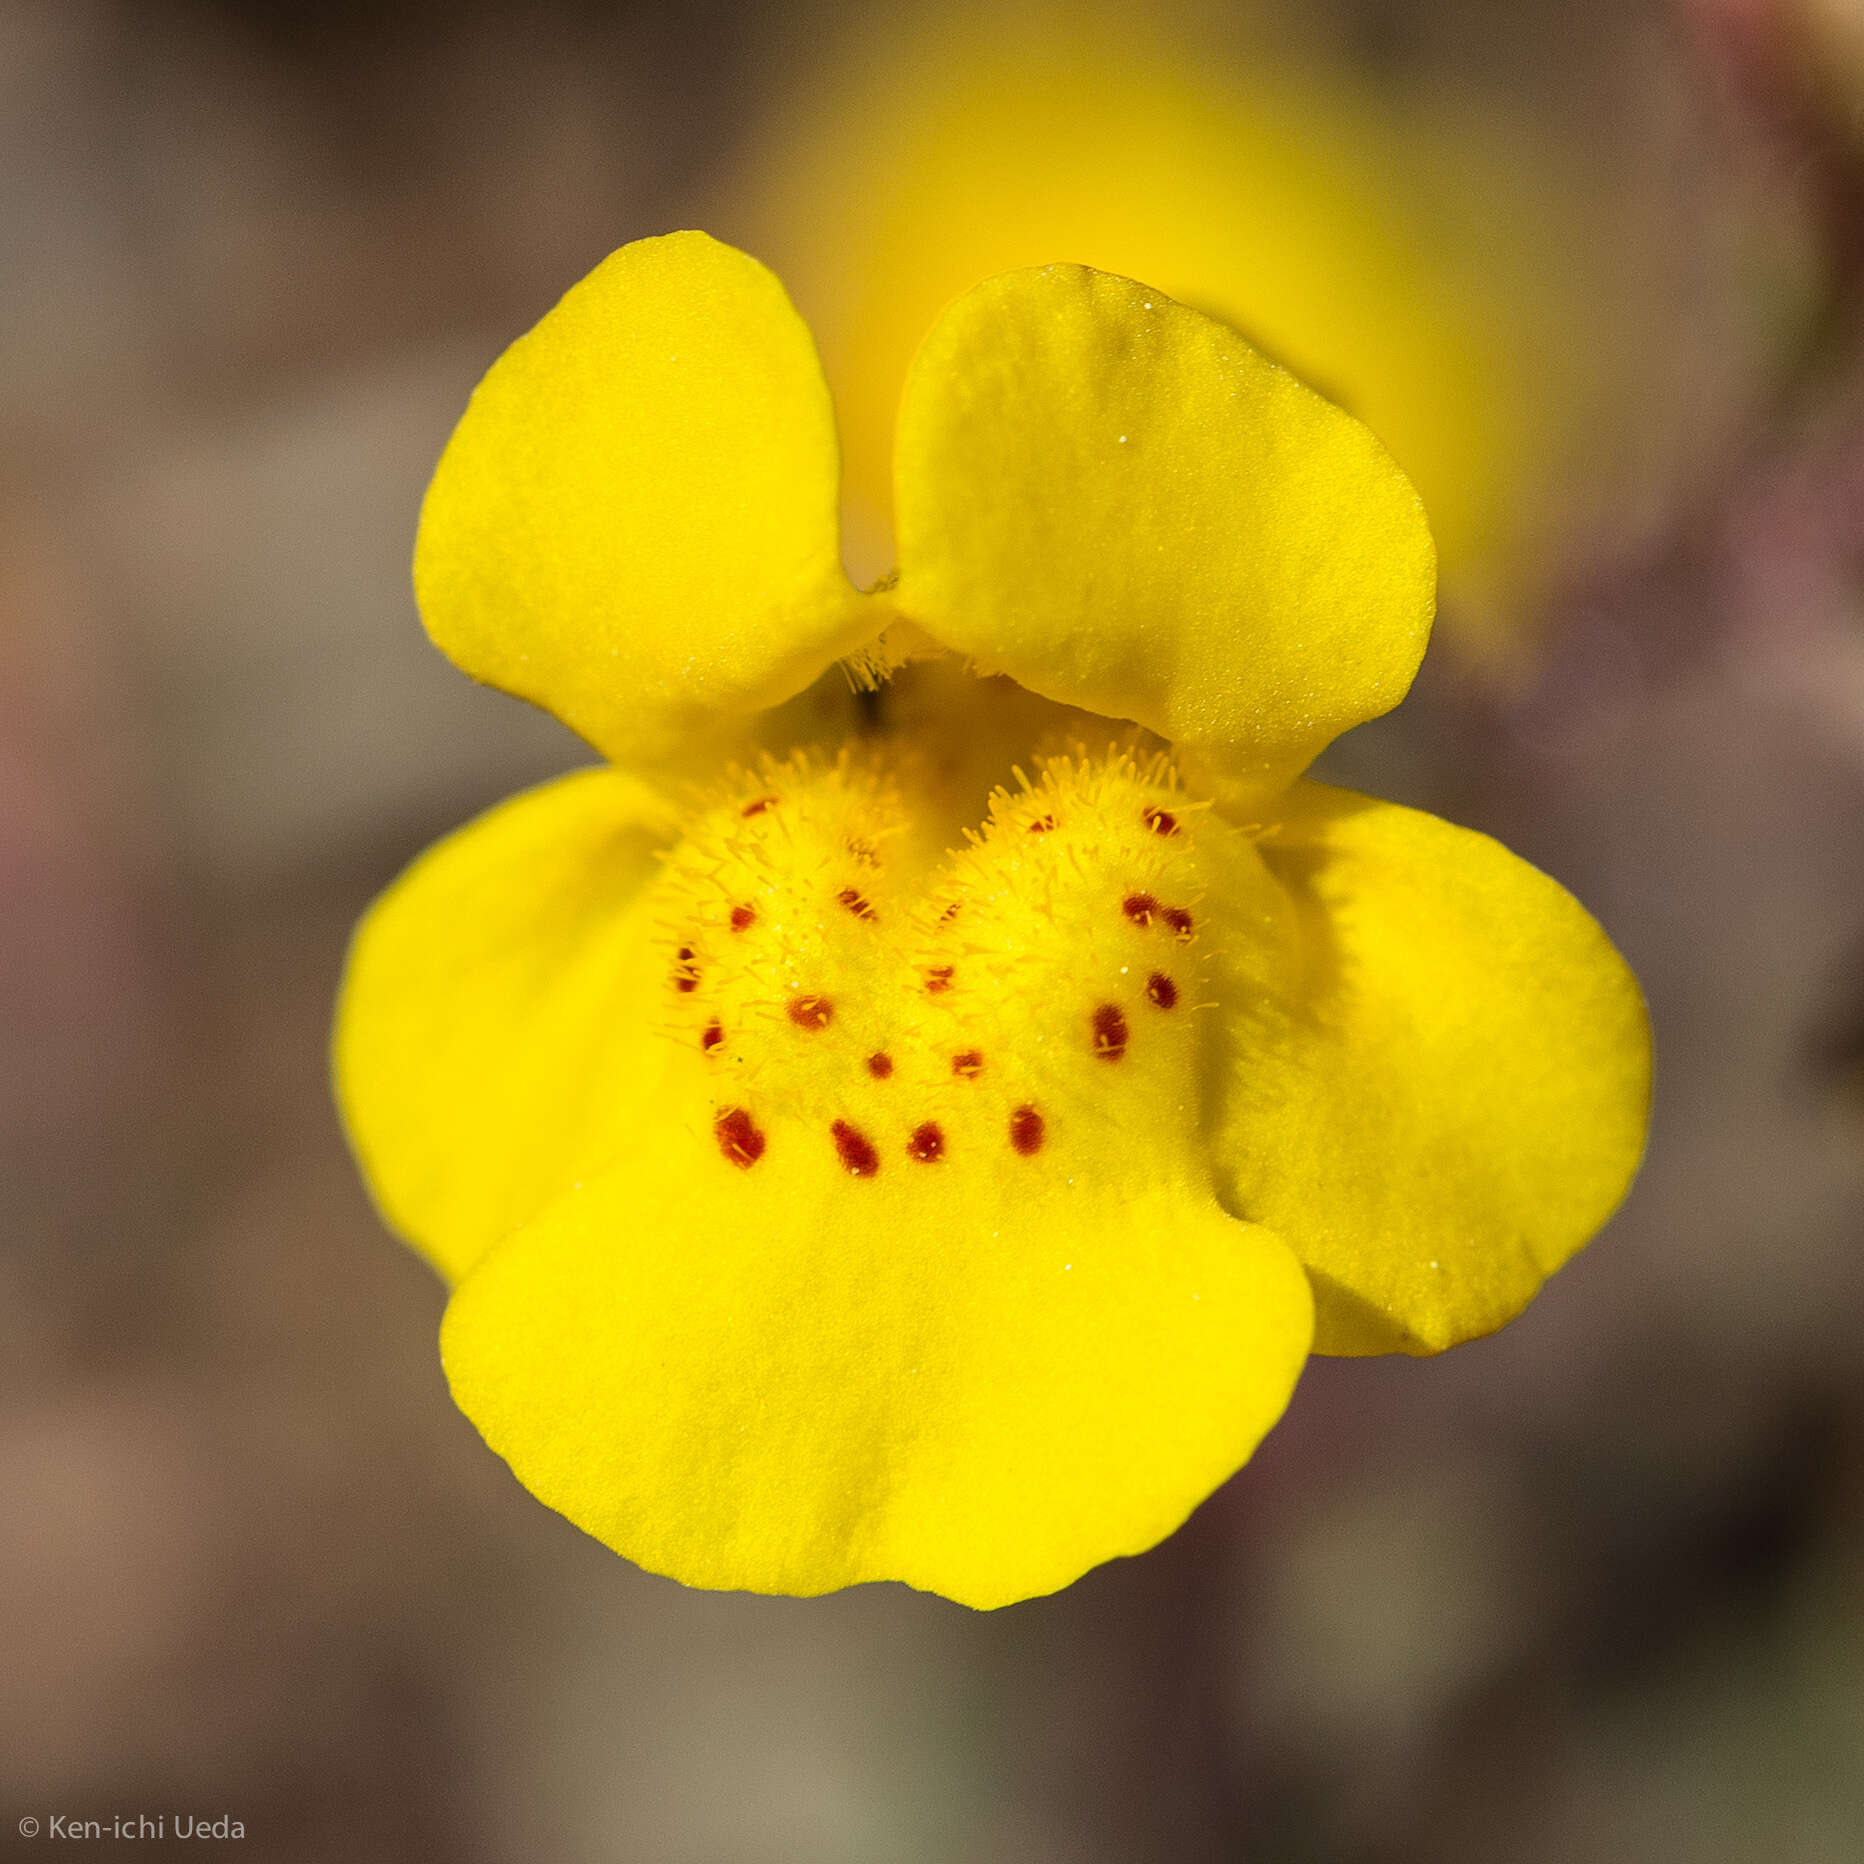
(1590,1590)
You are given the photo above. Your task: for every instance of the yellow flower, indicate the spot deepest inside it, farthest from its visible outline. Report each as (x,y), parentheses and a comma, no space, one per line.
(828,1205)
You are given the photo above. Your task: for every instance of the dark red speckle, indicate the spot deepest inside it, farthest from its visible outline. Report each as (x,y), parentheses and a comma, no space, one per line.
(712,1035)
(1027,1131)
(1161,821)
(811,1012)
(927,1143)
(1109,1032)
(760,805)
(1179,921)
(1139,908)
(737,1138)
(743,917)
(938,979)
(880,1066)
(1041,825)
(855,902)
(858,1156)
(1161,990)
(968,1064)
(685,972)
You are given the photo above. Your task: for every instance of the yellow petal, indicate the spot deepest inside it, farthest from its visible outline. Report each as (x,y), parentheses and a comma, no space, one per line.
(1457,1097)
(497,1027)
(981,1378)
(634,524)
(1284,195)
(1119,503)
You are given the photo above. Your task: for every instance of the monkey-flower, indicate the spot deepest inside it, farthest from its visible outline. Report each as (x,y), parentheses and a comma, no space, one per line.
(848,1170)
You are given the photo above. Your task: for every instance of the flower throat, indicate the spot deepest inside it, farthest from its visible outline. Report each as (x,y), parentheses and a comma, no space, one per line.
(852,989)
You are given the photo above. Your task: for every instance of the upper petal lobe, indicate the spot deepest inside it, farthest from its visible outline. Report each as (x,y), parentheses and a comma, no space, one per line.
(1119,503)
(634,524)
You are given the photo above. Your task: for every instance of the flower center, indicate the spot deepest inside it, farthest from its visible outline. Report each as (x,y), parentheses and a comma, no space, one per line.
(1029,1001)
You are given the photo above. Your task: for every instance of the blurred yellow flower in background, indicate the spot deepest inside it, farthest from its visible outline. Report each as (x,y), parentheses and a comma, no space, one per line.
(853,1167)
(1422,260)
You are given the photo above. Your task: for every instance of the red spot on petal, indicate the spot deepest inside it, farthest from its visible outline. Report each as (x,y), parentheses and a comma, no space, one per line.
(880,1066)
(1161,990)
(855,903)
(857,1153)
(743,916)
(712,1035)
(737,1138)
(685,971)
(949,914)
(938,979)
(1109,1032)
(968,1064)
(1139,908)
(1179,921)
(927,1143)
(1041,825)
(811,1012)
(1027,1131)
(758,807)
(1161,821)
